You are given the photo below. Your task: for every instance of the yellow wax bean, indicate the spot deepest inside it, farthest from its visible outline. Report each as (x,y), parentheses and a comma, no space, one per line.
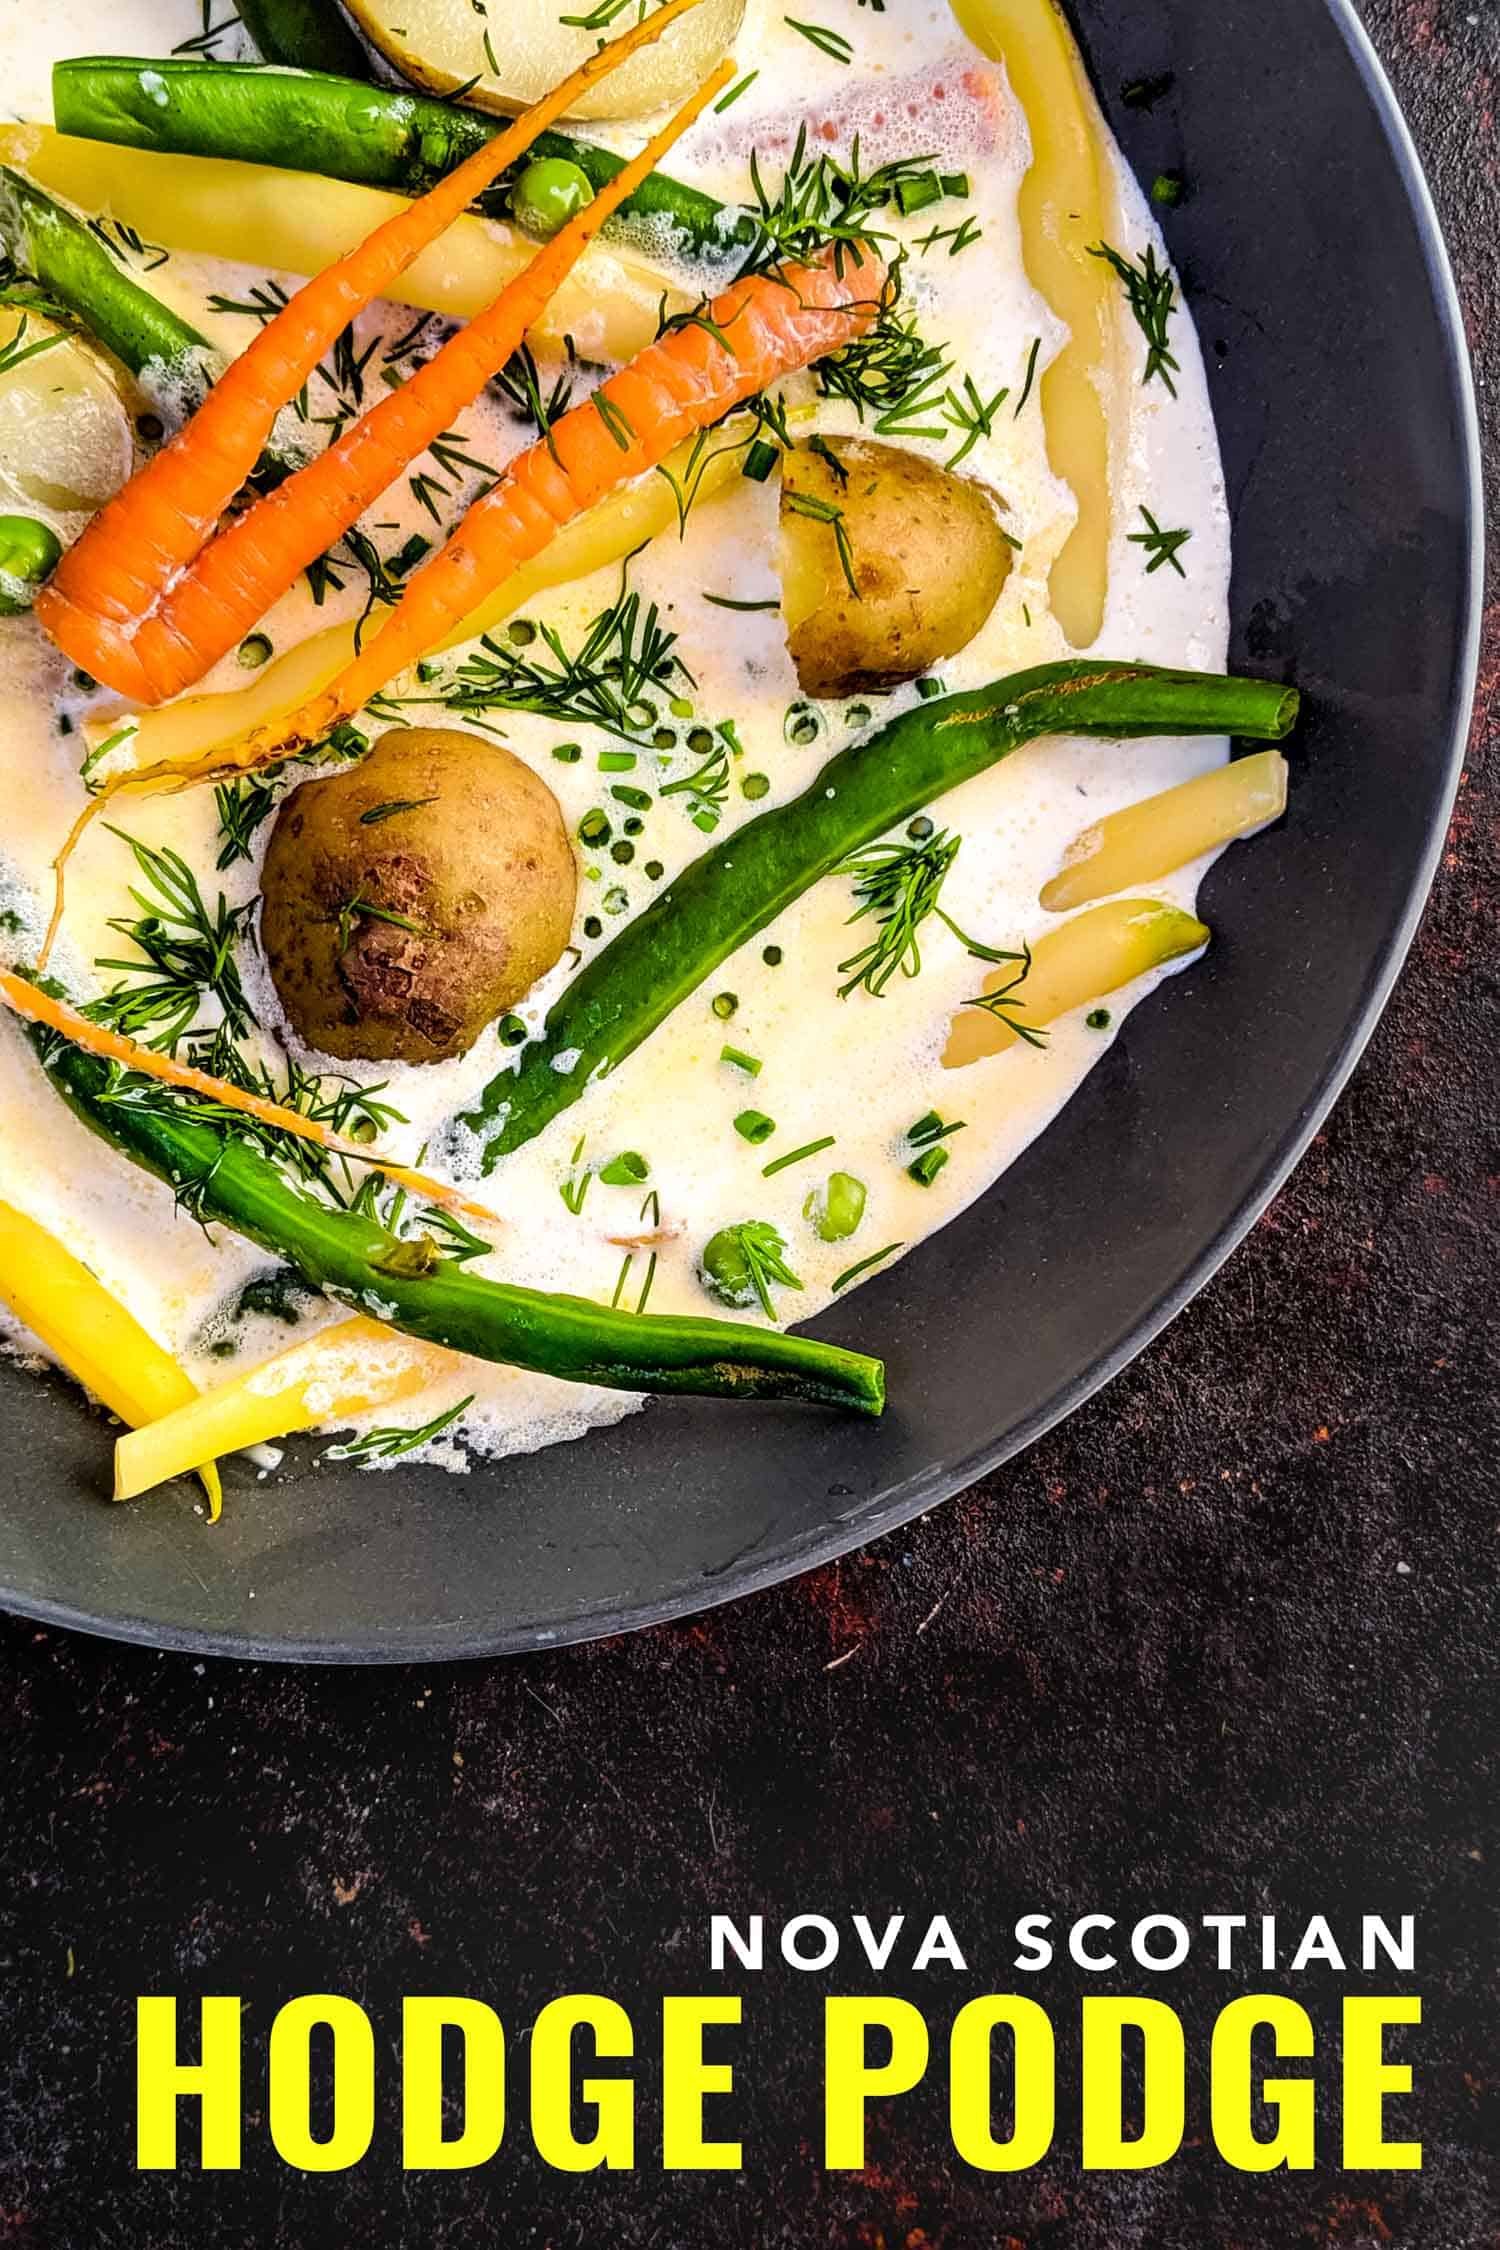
(326,1379)
(1148,840)
(1086,958)
(254,213)
(101,1344)
(1067,204)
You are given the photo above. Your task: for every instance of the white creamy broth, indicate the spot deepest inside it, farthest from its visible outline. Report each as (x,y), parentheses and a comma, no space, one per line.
(863,1069)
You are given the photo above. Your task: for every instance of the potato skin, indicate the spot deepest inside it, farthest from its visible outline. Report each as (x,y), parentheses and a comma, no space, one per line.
(926,551)
(468,844)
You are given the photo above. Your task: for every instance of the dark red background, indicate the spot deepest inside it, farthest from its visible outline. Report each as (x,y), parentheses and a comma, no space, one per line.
(1225,1642)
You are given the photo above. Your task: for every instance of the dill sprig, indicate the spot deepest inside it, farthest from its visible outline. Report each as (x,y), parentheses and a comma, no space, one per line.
(901,886)
(830,43)
(1163,546)
(187,955)
(1006,1005)
(390,1444)
(626,656)
(1151,293)
(764,1252)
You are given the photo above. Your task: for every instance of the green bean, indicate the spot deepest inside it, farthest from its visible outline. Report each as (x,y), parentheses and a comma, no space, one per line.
(69,261)
(306,34)
(343,128)
(721,899)
(219,1175)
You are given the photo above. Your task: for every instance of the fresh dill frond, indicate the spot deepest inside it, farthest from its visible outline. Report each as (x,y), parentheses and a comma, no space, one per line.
(830,43)
(1151,292)
(186,955)
(1005,1003)
(901,886)
(1164,547)
(17,351)
(391,1444)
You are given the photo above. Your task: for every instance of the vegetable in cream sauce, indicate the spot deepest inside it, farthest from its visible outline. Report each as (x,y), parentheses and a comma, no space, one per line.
(855,1073)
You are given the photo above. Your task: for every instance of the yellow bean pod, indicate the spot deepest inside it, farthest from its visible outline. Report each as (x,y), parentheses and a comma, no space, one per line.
(261,216)
(325,1380)
(1146,841)
(92,1334)
(1067,204)
(1094,954)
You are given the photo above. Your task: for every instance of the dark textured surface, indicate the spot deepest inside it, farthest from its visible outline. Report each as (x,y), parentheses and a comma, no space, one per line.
(1225,1642)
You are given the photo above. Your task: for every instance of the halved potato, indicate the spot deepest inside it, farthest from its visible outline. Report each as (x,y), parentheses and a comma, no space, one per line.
(923,547)
(66,441)
(517,50)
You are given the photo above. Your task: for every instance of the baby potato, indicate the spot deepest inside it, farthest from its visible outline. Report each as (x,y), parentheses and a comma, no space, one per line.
(923,547)
(522,50)
(409,900)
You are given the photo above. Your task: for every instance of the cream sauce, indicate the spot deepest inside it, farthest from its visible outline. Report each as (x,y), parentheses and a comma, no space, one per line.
(861,1069)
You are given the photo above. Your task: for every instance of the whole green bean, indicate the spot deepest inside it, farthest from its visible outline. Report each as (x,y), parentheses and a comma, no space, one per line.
(165,353)
(306,34)
(219,1175)
(345,129)
(724,897)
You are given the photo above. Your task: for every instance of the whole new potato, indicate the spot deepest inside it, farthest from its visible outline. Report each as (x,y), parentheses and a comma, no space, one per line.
(924,549)
(507,57)
(411,899)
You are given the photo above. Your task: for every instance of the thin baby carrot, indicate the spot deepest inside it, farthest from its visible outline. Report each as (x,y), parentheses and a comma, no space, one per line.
(40,1007)
(256,557)
(135,546)
(759,330)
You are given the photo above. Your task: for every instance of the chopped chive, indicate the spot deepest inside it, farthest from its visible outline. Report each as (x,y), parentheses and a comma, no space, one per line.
(617,761)
(795,1155)
(955,183)
(1098,1019)
(513,1032)
(258,649)
(567,753)
(740,1060)
(760,460)
(616,901)
(1168,188)
(622,853)
(915,193)
(655,870)
(925,1168)
(929,688)
(755,785)
(921,828)
(852,1273)
(628,1169)
(594,827)
(754,1126)
(931,1128)
(724,1005)
(773,956)
(592,926)
(801,725)
(637,799)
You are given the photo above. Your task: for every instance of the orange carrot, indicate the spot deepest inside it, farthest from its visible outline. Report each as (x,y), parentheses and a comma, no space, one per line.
(257,556)
(136,546)
(36,1006)
(759,330)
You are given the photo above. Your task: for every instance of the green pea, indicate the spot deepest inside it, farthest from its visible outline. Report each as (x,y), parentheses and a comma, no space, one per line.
(835,1209)
(726,1269)
(29,553)
(549,192)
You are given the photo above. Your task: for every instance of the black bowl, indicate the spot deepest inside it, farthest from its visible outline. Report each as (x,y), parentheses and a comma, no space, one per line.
(1312,260)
